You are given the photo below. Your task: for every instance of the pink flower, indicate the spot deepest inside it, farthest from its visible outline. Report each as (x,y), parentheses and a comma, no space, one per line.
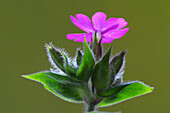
(107,30)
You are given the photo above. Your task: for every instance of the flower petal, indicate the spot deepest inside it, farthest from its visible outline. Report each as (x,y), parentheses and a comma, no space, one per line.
(110,23)
(115,34)
(81,25)
(84,19)
(79,37)
(122,23)
(98,20)
(107,40)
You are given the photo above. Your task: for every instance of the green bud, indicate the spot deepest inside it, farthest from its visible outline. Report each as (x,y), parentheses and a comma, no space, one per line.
(116,64)
(56,57)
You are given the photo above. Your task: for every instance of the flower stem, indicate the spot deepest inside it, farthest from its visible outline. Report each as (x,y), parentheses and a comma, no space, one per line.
(99,52)
(96,46)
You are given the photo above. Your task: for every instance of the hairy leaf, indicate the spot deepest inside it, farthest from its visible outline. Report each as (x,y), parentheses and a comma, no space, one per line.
(101,73)
(86,66)
(64,87)
(133,90)
(110,92)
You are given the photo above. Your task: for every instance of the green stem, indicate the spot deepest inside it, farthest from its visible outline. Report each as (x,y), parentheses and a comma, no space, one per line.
(91,107)
(99,52)
(96,46)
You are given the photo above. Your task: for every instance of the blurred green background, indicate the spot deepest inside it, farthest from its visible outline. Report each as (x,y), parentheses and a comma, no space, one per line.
(26,25)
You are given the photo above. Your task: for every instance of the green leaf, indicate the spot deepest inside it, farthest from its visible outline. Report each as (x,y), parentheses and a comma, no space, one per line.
(56,56)
(101,73)
(110,92)
(133,90)
(79,57)
(64,87)
(68,69)
(86,66)
(116,64)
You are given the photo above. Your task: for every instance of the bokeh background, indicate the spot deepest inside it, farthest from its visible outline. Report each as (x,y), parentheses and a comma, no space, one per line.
(26,25)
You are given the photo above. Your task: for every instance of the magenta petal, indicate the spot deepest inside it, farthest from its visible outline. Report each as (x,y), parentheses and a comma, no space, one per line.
(106,40)
(122,23)
(110,23)
(98,20)
(85,20)
(75,36)
(115,34)
(81,25)
(79,37)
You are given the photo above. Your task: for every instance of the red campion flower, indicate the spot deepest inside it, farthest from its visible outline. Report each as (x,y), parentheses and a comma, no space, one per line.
(105,30)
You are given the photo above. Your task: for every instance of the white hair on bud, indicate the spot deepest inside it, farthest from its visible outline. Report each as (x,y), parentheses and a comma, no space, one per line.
(122,69)
(54,68)
(71,61)
(75,58)
(57,71)
(119,75)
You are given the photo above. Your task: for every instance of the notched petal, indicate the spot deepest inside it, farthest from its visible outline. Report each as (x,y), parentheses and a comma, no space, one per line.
(122,23)
(98,20)
(115,34)
(84,19)
(81,25)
